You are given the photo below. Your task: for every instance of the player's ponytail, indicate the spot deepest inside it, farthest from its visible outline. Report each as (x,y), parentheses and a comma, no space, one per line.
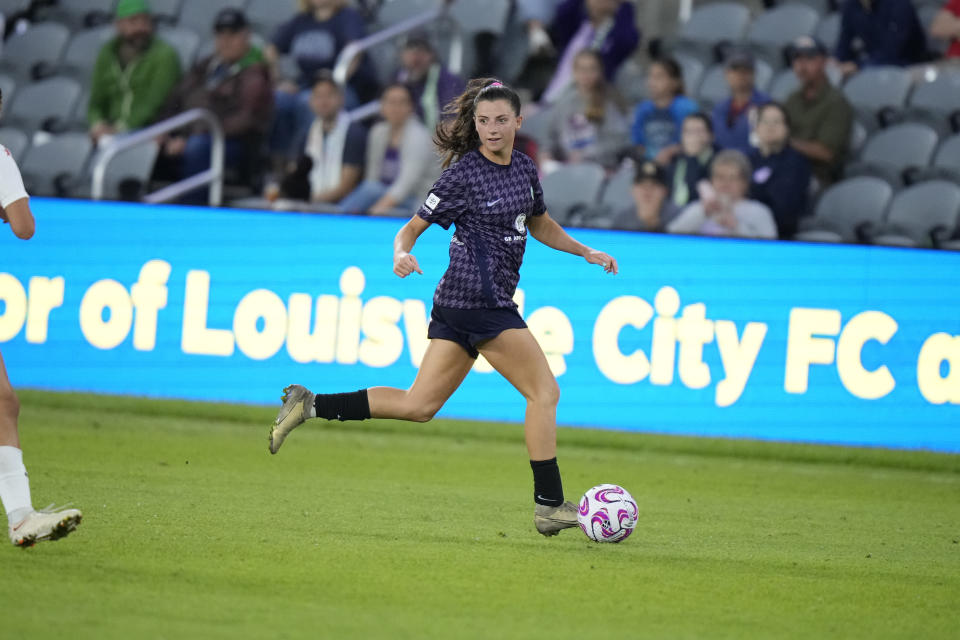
(456,135)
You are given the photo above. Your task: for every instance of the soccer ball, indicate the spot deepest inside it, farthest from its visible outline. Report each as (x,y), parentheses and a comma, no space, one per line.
(608,513)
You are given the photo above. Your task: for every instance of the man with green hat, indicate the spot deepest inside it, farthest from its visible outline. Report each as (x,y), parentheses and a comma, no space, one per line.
(133,74)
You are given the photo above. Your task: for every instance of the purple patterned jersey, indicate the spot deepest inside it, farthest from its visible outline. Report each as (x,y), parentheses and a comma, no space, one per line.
(490,204)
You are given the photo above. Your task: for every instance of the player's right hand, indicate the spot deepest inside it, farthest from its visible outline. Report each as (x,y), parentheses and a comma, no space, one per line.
(404,264)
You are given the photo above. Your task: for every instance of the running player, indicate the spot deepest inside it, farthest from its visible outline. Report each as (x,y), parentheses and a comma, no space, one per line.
(26,526)
(493,195)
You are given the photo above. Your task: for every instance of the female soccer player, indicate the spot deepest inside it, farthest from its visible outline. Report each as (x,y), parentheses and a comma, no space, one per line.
(26,526)
(493,195)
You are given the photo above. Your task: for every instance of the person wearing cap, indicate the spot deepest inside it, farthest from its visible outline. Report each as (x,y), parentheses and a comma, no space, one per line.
(733,117)
(233,83)
(433,86)
(133,74)
(878,33)
(819,113)
(652,209)
(723,208)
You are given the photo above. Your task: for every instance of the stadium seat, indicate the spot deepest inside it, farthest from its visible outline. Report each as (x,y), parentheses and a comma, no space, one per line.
(692,67)
(59,159)
(714,87)
(877,89)
(939,99)
(8,88)
(536,124)
(945,164)
(165,11)
(185,41)
(772,30)
(80,14)
(889,152)
(618,192)
(10,7)
(822,7)
(267,15)
(399,10)
(828,31)
(36,51)
(44,105)
(133,164)
(848,211)
(475,17)
(78,119)
(631,81)
(572,186)
(15,140)
(716,22)
(923,215)
(199,16)
(82,51)
(858,137)
(783,84)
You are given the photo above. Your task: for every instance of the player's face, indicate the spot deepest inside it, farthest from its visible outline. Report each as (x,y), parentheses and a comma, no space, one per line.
(726,179)
(326,101)
(497,125)
(395,106)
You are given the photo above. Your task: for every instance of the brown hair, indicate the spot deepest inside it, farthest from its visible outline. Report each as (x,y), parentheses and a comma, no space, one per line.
(458,136)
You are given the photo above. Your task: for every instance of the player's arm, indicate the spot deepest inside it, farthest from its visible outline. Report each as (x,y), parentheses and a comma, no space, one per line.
(403,262)
(18,215)
(546,230)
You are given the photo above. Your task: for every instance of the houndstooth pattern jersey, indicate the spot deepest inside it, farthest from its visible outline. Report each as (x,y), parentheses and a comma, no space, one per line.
(489,204)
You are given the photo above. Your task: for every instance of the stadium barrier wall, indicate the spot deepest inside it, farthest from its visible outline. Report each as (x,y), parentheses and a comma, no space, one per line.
(837,344)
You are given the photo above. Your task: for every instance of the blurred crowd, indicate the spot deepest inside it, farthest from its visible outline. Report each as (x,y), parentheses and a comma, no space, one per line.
(746,166)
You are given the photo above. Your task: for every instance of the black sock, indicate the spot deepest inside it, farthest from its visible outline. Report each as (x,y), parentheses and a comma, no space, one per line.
(547,488)
(342,406)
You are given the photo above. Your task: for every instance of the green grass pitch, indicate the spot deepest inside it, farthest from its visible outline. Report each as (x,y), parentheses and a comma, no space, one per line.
(395,530)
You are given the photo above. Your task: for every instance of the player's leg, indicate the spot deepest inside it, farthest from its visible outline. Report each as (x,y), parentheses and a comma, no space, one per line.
(445,365)
(26,526)
(517,356)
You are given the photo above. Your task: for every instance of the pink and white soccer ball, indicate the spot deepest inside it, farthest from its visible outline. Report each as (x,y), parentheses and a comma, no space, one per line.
(608,513)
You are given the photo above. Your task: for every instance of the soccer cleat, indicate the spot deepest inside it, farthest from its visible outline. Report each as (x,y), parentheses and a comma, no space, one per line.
(297,401)
(46,524)
(550,520)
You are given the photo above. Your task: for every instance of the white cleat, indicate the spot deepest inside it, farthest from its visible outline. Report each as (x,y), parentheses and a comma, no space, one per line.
(46,524)
(297,401)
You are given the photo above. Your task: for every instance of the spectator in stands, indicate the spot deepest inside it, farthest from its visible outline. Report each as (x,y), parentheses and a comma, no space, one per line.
(658,120)
(606,26)
(433,87)
(879,32)
(401,165)
(652,210)
(946,26)
(314,37)
(781,176)
(733,118)
(819,114)
(693,163)
(587,123)
(334,145)
(133,75)
(723,209)
(233,83)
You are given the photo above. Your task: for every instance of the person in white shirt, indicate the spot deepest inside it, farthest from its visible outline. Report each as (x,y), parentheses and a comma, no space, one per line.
(26,526)
(723,208)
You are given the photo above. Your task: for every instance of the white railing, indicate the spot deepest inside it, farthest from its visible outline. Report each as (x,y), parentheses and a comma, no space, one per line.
(355,48)
(212,176)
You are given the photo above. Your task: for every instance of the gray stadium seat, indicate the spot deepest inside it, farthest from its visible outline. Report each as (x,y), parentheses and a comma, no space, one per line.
(939,98)
(44,104)
(64,155)
(15,140)
(81,14)
(618,192)
(399,10)
(772,30)
(716,22)
(828,30)
(185,41)
(572,186)
(40,44)
(198,15)
(165,11)
(783,84)
(858,138)
(692,67)
(135,163)
(846,207)
(876,88)
(630,81)
(78,119)
(267,15)
(923,215)
(82,51)
(8,88)
(487,16)
(536,125)
(945,164)
(822,7)
(888,152)
(9,7)
(714,87)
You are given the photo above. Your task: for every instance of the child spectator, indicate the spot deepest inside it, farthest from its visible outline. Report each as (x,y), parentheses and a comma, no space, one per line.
(657,121)
(693,163)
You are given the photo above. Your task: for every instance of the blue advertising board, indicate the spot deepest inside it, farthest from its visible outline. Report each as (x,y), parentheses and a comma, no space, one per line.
(700,336)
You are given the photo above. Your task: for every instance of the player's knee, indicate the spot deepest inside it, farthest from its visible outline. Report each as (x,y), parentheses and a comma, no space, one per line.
(547,394)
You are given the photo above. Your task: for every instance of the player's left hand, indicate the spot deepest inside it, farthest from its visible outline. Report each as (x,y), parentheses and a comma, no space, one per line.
(608,262)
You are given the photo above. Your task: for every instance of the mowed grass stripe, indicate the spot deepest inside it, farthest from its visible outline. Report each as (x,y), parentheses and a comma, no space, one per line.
(394,530)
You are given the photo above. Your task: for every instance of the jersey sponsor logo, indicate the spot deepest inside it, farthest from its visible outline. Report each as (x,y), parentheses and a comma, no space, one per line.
(520,224)
(432,201)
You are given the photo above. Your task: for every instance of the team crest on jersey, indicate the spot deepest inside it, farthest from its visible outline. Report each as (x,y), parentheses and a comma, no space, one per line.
(520,224)
(432,201)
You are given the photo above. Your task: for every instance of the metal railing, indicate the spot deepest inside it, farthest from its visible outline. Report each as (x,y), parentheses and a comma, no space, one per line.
(355,48)
(212,176)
